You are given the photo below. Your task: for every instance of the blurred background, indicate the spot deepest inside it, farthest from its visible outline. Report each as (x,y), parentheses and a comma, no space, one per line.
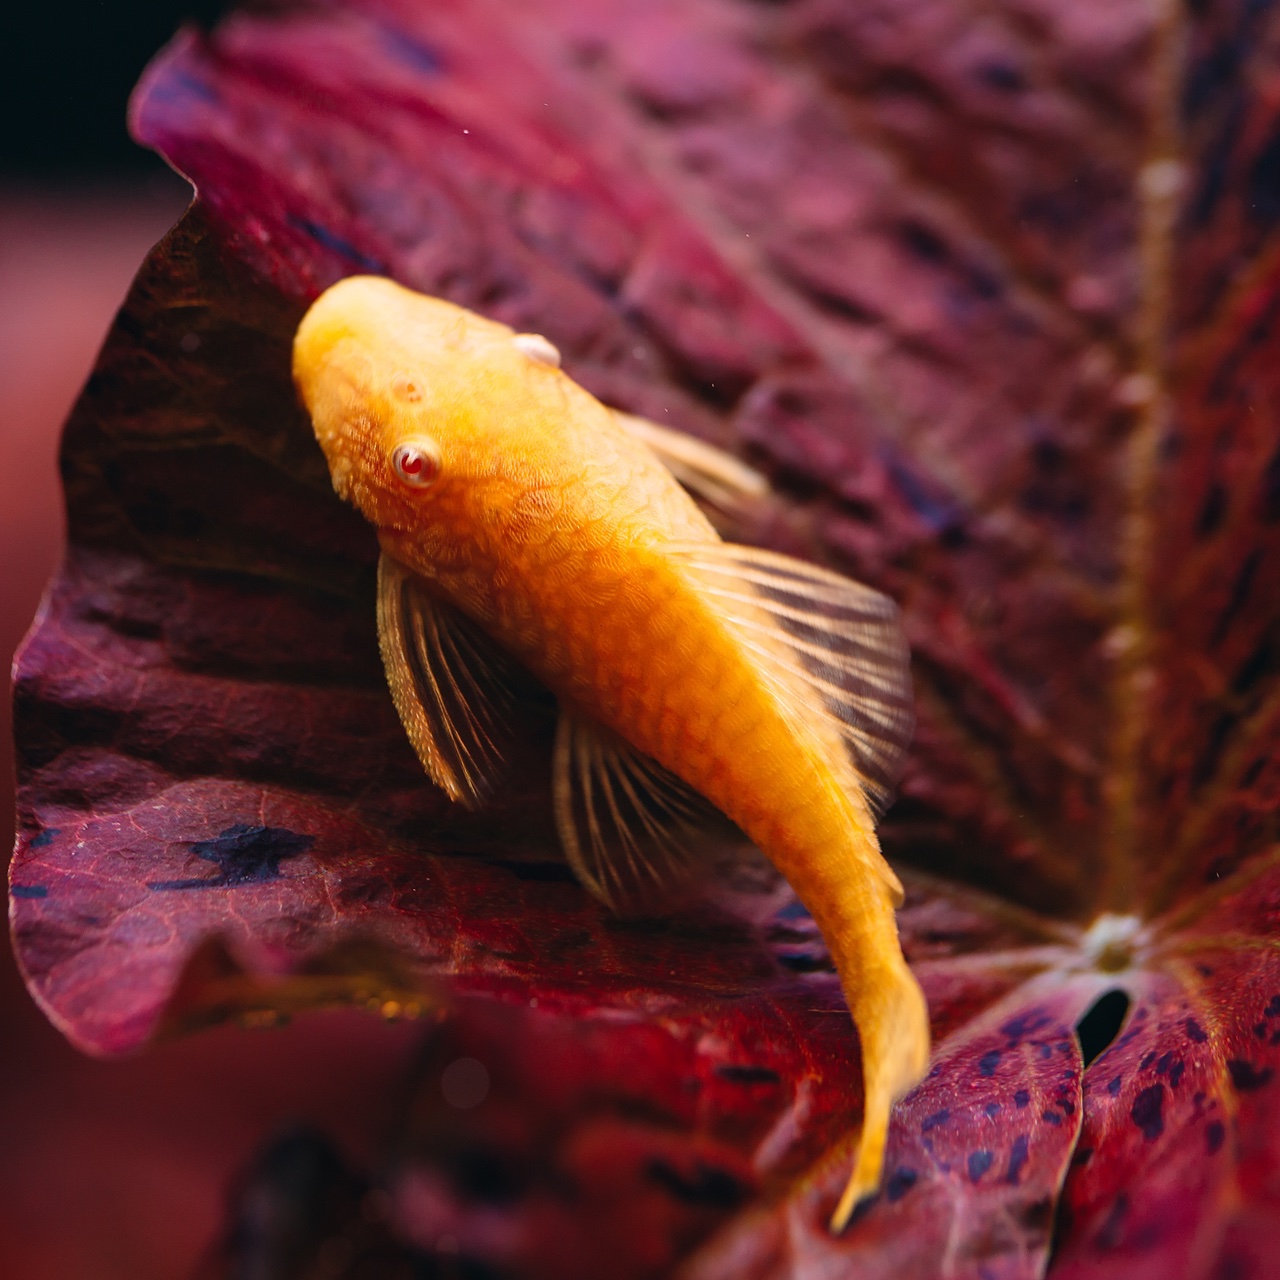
(116,1169)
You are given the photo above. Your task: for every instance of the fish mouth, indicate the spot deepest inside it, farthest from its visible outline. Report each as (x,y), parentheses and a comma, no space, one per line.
(313,345)
(327,347)
(330,375)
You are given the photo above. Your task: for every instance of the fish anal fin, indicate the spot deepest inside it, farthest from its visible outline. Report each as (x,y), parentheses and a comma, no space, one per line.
(635,835)
(830,646)
(461,698)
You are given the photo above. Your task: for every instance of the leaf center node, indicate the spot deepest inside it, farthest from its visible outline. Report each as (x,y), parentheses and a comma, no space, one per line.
(1110,942)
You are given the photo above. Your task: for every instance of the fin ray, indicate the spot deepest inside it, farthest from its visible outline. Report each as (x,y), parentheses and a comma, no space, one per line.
(457,692)
(634,834)
(817,633)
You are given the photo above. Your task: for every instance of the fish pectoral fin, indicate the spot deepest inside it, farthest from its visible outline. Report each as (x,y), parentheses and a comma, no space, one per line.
(460,696)
(635,835)
(819,634)
(717,478)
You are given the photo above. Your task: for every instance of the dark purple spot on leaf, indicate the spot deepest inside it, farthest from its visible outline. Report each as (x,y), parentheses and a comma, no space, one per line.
(978,1163)
(793,911)
(1026,1024)
(1021,1099)
(703,1185)
(1051,1117)
(988,1063)
(929,1123)
(1017,1158)
(1195,1031)
(1001,76)
(1246,1077)
(806,961)
(29,890)
(899,1182)
(1214,1133)
(1109,1234)
(243,855)
(747,1075)
(335,243)
(1148,1111)
(413,53)
(1113,1085)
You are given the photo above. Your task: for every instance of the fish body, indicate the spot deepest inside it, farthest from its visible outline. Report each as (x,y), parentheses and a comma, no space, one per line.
(524,526)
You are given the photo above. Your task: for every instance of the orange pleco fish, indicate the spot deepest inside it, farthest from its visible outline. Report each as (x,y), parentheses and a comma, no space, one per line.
(526,528)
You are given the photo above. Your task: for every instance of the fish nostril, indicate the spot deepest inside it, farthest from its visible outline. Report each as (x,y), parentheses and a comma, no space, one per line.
(404,387)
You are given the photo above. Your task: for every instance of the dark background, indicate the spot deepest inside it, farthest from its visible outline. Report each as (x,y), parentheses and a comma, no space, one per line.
(117,1170)
(66,69)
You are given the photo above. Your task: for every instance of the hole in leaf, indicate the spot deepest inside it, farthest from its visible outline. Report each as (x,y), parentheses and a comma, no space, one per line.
(1101,1023)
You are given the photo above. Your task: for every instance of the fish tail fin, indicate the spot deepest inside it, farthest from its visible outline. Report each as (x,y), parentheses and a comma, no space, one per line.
(893,1026)
(851,893)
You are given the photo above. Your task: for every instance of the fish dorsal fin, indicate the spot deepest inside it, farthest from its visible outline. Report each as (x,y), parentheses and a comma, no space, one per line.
(457,691)
(714,477)
(635,835)
(819,634)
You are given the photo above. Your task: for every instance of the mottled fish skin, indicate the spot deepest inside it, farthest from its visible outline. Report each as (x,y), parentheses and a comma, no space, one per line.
(566,539)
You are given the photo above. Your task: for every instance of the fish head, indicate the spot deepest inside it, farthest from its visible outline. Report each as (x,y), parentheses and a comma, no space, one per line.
(428,414)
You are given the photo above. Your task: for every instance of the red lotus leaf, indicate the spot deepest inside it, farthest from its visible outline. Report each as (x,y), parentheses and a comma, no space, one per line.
(991,292)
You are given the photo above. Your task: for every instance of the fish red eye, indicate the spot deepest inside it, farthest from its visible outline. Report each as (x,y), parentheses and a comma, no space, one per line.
(416,462)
